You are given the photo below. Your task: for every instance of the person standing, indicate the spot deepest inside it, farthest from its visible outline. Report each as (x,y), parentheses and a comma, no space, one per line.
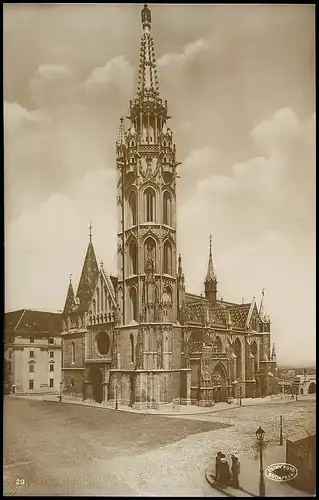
(219,454)
(235,471)
(223,471)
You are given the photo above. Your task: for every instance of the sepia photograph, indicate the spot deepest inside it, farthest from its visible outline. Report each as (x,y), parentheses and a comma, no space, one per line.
(160,250)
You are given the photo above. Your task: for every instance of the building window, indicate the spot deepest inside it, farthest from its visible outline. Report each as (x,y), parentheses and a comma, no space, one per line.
(150,205)
(51,368)
(132,208)
(73,353)
(51,340)
(133,300)
(133,257)
(10,354)
(51,382)
(31,340)
(31,354)
(132,347)
(167,263)
(31,368)
(150,253)
(30,384)
(51,354)
(167,209)
(98,307)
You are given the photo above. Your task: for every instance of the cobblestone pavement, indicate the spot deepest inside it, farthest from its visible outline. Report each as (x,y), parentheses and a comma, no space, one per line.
(57,449)
(91,451)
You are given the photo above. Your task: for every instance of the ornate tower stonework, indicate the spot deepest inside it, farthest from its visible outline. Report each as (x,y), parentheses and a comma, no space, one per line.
(146,199)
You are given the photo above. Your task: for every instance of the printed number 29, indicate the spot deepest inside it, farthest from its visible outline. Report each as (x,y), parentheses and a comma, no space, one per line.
(20,482)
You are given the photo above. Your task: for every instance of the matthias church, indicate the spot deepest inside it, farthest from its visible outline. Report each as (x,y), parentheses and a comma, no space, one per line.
(140,338)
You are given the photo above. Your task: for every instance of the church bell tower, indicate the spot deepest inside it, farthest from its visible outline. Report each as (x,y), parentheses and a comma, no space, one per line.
(149,336)
(146,166)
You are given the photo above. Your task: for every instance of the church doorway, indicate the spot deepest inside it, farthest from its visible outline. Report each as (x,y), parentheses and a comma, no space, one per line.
(96,379)
(219,382)
(312,388)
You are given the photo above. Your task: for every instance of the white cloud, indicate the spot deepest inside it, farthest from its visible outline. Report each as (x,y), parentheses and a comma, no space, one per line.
(44,245)
(15,116)
(189,51)
(262,217)
(117,71)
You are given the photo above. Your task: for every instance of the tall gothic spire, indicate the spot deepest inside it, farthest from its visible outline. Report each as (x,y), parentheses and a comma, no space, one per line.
(147,76)
(210,276)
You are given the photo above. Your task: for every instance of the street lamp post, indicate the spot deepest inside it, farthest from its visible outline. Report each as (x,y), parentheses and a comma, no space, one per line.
(260,434)
(116,401)
(281,441)
(240,395)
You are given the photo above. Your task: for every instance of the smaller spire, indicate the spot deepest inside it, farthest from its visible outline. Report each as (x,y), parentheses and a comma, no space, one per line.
(120,138)
(261,307)
(71,279)
(273,352)
(210,270)
(90,231)
(179,265)
(102,264)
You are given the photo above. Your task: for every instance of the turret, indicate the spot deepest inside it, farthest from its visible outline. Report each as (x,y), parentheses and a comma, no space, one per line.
(211,279)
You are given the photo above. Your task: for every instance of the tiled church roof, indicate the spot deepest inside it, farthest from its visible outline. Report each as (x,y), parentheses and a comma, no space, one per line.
(33,323)
(198,310)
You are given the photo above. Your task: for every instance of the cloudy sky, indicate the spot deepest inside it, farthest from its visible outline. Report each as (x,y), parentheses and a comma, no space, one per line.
(239,81)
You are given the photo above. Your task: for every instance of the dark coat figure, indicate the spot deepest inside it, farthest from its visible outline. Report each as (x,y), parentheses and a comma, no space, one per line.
(235,471)
(219,454)
(223,471)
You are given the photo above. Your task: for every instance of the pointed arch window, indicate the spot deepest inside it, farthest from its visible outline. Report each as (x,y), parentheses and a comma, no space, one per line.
(133,257)
(238,353)
(98,299)
(133,303)
(94,306)
(150,198)
(150,252)
(167,209)
(132,348)
(105,299)
(132,202)
(218,346)
(73,353)
(167,261)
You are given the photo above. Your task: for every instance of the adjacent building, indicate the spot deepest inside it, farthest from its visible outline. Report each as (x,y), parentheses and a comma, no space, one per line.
(140,337)
(32,352)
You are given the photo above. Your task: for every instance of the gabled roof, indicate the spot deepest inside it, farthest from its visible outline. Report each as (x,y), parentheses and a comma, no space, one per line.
(89,276)
(33,323)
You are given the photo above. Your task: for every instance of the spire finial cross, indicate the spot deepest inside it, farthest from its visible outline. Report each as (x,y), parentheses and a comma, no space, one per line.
(90,229)
(210,243)
(70,277)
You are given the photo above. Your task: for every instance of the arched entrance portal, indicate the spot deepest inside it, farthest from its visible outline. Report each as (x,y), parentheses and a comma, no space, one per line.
(96,379)
(219,382)
(312,388)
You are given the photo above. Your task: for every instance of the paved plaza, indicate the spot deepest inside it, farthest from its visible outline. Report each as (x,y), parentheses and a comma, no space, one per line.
(66,449)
